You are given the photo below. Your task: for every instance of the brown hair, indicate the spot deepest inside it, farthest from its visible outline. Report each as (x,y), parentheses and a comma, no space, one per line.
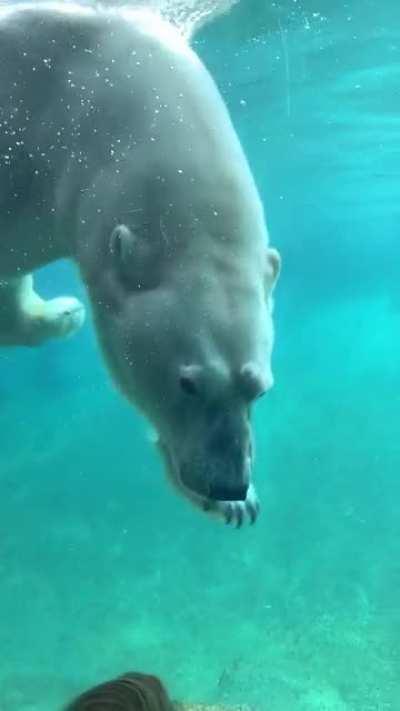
(132,691)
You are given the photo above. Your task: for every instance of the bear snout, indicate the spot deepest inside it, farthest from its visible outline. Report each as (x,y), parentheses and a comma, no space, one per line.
(218,479)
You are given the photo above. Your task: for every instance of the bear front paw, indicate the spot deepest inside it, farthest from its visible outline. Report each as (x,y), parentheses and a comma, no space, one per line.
(236,512)
(64,316)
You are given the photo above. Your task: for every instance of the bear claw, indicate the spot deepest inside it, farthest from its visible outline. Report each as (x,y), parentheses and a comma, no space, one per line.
(236,512)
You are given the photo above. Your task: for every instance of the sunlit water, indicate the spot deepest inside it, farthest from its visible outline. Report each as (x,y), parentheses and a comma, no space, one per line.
(102,568)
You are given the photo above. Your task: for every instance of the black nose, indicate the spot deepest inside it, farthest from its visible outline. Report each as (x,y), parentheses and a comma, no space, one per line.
(228,493)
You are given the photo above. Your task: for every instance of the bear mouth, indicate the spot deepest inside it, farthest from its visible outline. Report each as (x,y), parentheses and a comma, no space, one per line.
(174,472)
(177,474)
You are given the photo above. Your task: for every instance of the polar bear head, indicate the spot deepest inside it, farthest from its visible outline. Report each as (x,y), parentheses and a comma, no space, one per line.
(186,327)
(180,276)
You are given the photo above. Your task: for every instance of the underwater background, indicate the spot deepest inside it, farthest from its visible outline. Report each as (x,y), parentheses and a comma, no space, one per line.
(102,568)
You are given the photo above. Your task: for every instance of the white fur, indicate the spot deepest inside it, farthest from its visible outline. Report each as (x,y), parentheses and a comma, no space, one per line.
(149,191)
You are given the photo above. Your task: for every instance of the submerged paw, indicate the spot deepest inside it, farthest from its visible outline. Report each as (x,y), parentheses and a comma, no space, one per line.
(64,315)
(236,513)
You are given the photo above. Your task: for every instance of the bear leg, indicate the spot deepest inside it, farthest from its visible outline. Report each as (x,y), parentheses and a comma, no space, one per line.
(28,320)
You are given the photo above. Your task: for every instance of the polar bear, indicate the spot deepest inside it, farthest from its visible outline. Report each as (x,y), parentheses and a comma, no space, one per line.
(117,151)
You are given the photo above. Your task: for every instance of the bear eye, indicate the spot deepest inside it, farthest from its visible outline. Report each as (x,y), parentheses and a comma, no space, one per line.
(188,385)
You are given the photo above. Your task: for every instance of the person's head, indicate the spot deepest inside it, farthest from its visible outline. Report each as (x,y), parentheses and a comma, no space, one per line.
(132,691)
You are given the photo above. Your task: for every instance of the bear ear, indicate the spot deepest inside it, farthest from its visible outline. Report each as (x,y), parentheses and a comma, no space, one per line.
(272,268)
(122,244)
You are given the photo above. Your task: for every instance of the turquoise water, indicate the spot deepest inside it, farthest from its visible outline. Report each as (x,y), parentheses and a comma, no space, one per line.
(103,568)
